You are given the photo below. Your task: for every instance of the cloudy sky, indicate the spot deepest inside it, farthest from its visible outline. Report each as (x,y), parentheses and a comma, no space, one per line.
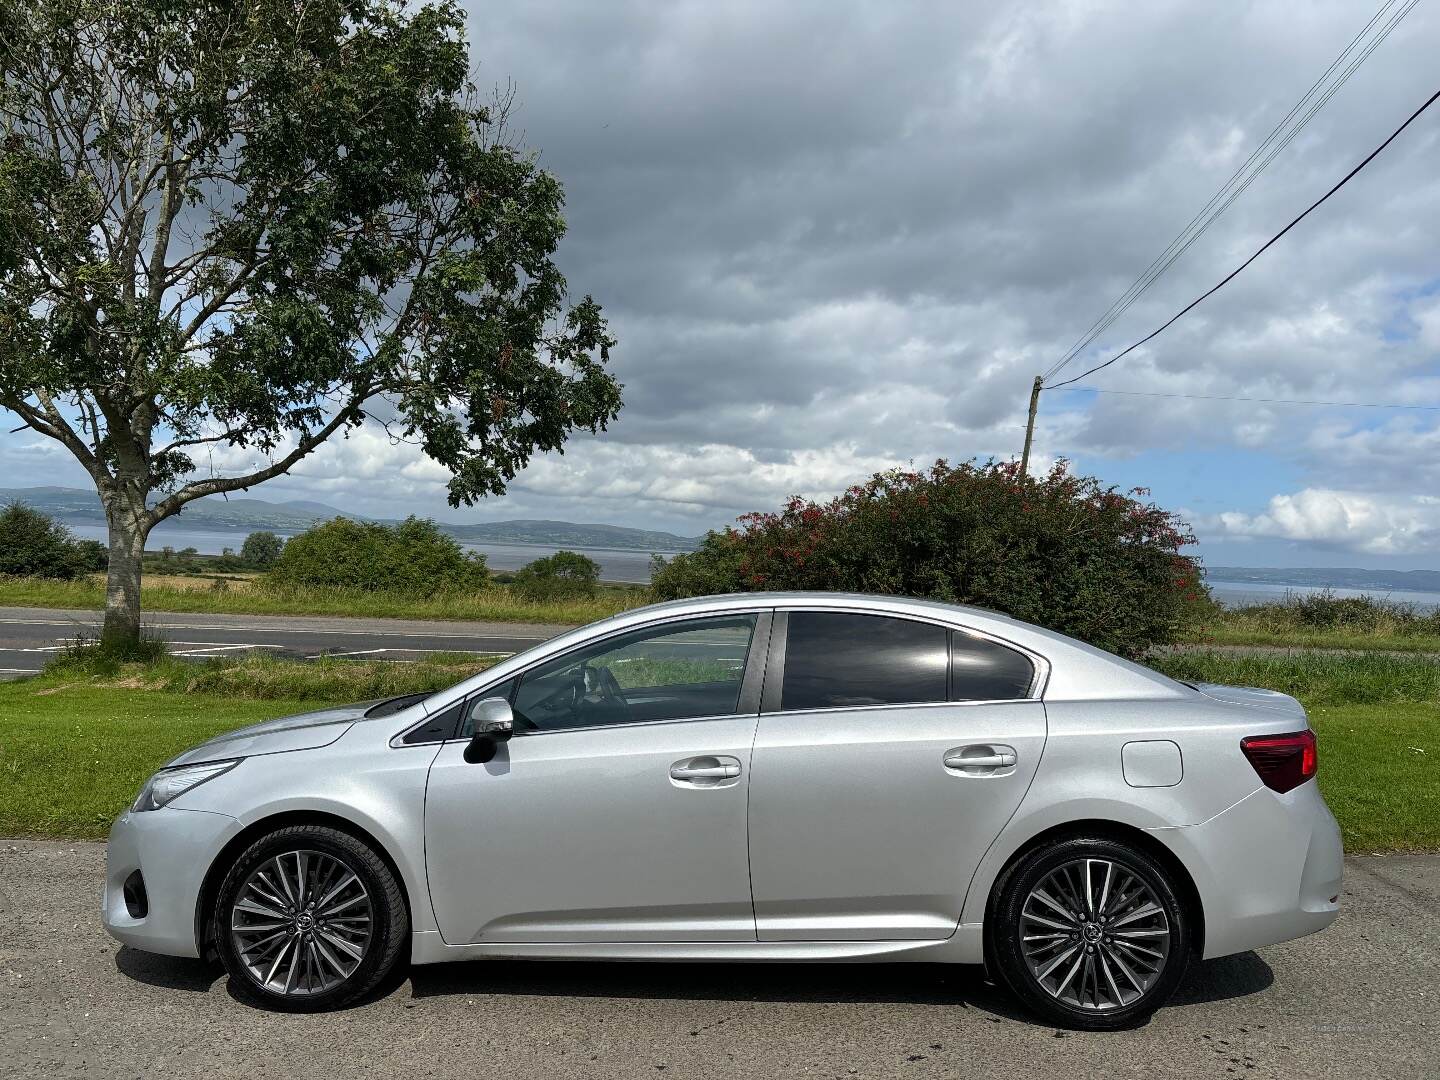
(835,237)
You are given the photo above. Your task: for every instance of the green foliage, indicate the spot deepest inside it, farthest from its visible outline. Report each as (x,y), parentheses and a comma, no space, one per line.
(1059,550)
(413,558)
(1313,677)
(96,656)
(1324,611)
(267,597)
(286,215)
(566,575)
(260,550)
(33,544)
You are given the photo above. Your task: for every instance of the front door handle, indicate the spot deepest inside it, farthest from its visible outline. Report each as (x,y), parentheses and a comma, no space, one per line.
(702,771)
(975,757)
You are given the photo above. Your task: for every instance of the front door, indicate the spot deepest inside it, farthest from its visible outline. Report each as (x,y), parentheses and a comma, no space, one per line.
(890,754)
(618,810)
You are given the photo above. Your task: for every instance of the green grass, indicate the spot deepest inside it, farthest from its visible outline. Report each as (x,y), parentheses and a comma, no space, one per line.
(1378,721)
(76,743)
(1322,621)
(266,678)
(1380,773)
(71,757)
(1315,678)
(497,603)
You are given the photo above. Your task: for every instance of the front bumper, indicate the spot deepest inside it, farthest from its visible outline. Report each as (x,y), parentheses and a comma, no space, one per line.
(171,850)
(1268,869)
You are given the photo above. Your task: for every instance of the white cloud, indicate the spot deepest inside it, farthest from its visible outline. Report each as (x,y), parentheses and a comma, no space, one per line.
(1352,521)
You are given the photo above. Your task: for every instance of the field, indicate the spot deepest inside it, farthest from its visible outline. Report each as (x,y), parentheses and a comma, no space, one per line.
(243,596)
(1321,621)
(77,742)
(1378,721)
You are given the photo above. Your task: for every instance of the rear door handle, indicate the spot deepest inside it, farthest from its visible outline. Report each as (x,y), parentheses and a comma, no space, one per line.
(966,758)
(701,771)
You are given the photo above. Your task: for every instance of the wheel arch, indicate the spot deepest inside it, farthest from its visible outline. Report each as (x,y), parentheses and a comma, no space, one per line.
(215,874)
(1124,833)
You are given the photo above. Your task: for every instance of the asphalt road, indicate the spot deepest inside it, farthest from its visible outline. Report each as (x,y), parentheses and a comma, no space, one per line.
(30,636)
(1360,1000)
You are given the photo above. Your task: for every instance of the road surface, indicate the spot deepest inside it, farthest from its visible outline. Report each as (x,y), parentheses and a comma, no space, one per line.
(1359,1000)
(31,636)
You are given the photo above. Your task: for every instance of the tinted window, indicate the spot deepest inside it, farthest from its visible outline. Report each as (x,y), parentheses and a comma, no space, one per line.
(834,660)
(981,670)
(436,728)
(673,672)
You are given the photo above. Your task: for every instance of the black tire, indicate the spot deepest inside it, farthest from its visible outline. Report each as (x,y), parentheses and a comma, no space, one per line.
(389,924)
(1098,1007)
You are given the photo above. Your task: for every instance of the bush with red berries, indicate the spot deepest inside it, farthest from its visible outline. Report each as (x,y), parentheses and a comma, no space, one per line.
(1060,550)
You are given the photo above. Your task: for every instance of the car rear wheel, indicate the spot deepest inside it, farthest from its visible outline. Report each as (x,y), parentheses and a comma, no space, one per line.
(309,918)
(1090,933)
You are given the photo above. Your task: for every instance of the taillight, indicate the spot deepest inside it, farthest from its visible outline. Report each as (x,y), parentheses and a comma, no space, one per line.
(1283,761)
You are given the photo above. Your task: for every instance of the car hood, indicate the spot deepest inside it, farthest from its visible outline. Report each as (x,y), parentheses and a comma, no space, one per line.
(305,731)
(1254,696)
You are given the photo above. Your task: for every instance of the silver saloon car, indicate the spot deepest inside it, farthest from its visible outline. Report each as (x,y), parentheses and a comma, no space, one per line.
(761,777)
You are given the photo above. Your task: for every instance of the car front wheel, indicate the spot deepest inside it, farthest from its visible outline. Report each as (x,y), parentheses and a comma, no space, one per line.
(309,918)
(1090,933)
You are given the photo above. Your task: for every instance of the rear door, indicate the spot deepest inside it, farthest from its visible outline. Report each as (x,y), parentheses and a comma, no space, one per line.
(890,753)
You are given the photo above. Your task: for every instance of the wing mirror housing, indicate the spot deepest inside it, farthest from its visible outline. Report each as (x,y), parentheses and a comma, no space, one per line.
(494,724)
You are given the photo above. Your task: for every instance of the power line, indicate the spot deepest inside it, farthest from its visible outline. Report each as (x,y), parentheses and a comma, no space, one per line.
(1273,144)
(1267,401)
(1263,248)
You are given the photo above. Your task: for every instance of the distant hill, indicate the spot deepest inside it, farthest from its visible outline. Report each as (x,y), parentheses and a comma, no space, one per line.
(570,533)
(1334,577)
(78,506)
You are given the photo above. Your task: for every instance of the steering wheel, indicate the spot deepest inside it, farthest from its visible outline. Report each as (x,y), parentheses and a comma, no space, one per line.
(589,691)
(601,691)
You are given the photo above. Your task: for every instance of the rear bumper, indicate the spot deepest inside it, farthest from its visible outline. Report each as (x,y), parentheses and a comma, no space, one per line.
(1268,869)
(170,850)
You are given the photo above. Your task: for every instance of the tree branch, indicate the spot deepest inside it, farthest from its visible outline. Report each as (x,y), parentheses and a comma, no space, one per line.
(310,441)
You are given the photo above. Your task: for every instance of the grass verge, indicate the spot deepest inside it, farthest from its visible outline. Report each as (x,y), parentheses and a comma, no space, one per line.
(495,604)
(1323,621)
(72,756)
(1378,721)
(77,742)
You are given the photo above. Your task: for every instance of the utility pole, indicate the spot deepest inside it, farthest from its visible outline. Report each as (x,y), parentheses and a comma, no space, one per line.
(1030,424)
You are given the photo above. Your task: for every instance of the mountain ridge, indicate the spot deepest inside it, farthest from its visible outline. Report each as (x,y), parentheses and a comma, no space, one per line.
(79,506)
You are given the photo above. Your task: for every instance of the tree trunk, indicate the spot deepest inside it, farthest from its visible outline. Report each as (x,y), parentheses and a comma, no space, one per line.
(128,531)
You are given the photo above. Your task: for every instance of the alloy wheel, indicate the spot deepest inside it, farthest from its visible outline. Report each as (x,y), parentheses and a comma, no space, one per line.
(301,923)
(1094,934)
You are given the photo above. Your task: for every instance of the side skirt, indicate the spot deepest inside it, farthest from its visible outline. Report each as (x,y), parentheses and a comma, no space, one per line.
(963,947)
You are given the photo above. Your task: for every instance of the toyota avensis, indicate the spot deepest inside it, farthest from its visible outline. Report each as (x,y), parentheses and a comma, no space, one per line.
(762,777)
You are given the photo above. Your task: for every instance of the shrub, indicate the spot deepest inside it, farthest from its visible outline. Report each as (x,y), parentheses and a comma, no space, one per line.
(413,558)
(260,550)
(33,544)
(566,575)
(1060,550)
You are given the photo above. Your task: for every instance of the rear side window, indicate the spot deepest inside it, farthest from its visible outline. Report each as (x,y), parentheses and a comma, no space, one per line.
(982,670)
(833,660)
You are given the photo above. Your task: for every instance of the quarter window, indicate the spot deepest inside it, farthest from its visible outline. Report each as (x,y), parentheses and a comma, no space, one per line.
(677,671)
(982,670)
(834,659)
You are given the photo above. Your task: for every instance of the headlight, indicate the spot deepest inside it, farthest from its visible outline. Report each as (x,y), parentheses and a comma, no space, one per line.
(169,784)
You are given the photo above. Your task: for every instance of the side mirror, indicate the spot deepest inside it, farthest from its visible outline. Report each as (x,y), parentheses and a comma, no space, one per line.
(494,724)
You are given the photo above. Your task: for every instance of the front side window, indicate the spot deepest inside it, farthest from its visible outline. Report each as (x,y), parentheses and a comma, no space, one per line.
(835,659)
(677,671)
